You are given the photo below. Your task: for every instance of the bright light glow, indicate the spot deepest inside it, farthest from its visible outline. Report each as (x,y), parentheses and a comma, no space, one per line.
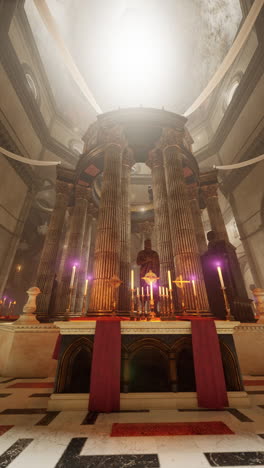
(137,51)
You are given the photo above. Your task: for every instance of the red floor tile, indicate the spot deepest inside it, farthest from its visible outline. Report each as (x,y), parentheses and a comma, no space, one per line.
(169,429)
(4,429)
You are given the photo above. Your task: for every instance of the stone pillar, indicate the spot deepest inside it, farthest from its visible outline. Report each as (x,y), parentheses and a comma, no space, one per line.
(47,266)
(214,212)
(125,251)
(83,268)
(185,250)
(193,196)
(107,246)
(74,251)
(161,214)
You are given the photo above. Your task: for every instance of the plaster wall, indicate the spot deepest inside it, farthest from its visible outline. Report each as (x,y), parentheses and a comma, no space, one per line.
(28,352)
(249,342)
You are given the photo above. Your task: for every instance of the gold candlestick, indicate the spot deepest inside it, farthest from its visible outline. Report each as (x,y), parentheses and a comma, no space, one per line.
(180,284)
(150,279)
(68,310)
(229,316)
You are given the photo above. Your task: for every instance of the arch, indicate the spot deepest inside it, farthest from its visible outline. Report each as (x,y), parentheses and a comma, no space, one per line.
(183,351)
(148,366)
(74,367)
(231,369)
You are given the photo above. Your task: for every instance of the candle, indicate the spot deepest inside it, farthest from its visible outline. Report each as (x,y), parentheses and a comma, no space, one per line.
(72,276)
(169,278)
(132,279)
(163,291)
(167,292)
(137,292)
(194,288)
(142,291)
(147,291)
(159,290)
(10,302)
(151,291)
(86,287)
(221,277)
(4,300)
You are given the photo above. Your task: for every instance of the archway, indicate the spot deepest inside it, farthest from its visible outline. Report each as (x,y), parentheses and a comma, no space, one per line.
(149,371)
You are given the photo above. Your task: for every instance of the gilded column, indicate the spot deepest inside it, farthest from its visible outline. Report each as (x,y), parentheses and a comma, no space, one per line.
(74,251)
(107,246)
(161,214)
(214,212)
(83,268)
(184,245)
(193,195)
(48,261)
(125,221)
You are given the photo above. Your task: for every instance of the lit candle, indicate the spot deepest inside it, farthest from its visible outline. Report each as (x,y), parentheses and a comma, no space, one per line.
(86,287)
(169,278)
(159,290)
(72,275)
(194,288)
(151,291)
(137,292)
(10,302)
(163,291)
(167,292)
(147,291)
(142,291)
(132,279)
(221,277)
(4,300)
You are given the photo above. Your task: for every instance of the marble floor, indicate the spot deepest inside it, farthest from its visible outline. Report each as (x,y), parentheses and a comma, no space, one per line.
(31,437)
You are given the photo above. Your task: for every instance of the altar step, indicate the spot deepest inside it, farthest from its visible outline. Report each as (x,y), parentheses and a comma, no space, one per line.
(142,401)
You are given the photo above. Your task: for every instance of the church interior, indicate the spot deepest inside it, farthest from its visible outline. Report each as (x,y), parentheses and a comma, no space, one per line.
(131,233)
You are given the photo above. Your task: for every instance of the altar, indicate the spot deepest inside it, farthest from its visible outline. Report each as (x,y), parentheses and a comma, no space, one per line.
(157,369)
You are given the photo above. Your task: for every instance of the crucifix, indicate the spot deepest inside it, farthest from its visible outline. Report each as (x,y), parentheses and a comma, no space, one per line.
(180,283)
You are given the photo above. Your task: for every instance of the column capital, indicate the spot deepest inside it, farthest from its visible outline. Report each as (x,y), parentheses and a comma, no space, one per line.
(171,137)
(63,188)
(112,134)
(82,192)
(210,191)
(155,158)
(193,191)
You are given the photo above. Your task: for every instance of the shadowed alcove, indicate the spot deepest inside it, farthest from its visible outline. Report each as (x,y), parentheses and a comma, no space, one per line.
(75,368)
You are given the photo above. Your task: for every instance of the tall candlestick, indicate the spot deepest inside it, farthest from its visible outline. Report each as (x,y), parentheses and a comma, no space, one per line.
(151,291)
(147,291)
(221,277)
(132,279)
(142,291)
(159,291)
(167,292)
(137,292)
(169,279)
(194,288)
(72,276)
(163,291)
(86,287)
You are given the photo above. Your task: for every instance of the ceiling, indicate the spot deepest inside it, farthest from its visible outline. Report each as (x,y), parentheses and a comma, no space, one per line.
(156,53)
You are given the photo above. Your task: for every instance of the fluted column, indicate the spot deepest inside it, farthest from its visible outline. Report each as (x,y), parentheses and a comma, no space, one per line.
(107,246)
(214,212)
(83,268)
(193,196)
(184,245)
(125,221)
(161,214)
(74,250)
(47,266)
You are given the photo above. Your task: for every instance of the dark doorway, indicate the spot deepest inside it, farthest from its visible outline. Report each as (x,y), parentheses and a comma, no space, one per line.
(185,370)
(78,380)
(149,371)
